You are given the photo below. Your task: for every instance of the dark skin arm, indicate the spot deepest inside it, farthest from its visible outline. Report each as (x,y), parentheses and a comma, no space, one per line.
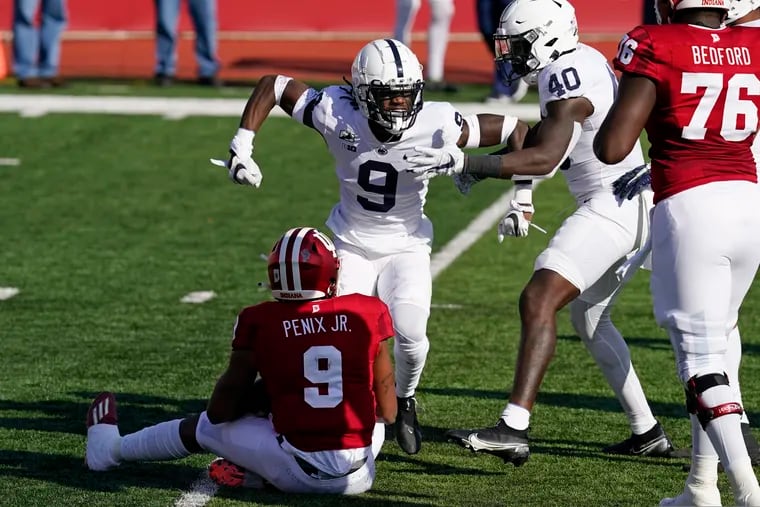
(626,119)
(230,398)
(384,385)
(262,101)
(551,141)
(229,401)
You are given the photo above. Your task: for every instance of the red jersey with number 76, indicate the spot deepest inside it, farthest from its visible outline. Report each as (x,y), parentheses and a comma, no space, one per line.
(317,359)
(708,96)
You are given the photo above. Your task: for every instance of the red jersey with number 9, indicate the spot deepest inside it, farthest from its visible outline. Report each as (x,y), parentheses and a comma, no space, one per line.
(317,359)
(708,94)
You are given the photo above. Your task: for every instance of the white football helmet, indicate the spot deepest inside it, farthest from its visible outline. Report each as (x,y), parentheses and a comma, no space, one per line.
(740,8)
(665,9)
(531,35)
(383,70)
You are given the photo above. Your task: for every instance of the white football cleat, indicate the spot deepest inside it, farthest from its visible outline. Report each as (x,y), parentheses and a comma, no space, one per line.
(103,436)
(695,496)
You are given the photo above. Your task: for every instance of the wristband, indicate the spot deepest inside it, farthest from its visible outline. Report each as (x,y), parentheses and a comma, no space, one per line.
(487,166)
(524,192)
(473,141)
(280,83)
(242,143)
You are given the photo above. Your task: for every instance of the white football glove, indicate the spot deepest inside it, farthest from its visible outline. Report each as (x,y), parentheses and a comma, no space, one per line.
(514,222)
(432,162)
(465,181)
(244,171)
(241,171)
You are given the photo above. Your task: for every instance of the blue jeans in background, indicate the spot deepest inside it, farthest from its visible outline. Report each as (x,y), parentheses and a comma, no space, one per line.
(489,12)
(203,14)
(37,52)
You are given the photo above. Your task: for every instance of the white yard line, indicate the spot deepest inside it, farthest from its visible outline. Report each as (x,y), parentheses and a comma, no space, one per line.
(200,493)
(32,105)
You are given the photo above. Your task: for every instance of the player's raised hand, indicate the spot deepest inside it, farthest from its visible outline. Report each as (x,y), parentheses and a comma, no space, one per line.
(632,183)
(517,221)
(431,162)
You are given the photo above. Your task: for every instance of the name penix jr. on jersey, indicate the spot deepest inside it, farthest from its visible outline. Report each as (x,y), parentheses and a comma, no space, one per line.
(708,84)
(381,205)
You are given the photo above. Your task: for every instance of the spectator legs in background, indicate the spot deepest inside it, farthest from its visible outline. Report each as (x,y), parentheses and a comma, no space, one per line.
(37,52)
(406,12)
(53,23)
(203,13)
(441,12)
(167,16)
(25,40)
(488,13)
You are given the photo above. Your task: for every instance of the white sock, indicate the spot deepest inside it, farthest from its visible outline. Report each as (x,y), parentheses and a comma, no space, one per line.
(704,459)
(154,443)
(516,416)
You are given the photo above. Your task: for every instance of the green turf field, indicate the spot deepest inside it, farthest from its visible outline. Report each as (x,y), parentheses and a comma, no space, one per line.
(109,220)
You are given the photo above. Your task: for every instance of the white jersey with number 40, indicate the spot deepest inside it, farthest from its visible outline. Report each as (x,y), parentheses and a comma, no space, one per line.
(585,73)
(381,204)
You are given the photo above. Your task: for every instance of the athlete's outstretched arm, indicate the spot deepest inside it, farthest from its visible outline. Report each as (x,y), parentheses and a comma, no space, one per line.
(626,118)
(556,137)
(487,129)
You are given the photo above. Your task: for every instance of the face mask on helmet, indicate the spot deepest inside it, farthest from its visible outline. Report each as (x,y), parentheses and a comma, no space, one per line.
(740,8)
(664,10)
(387,84)
(303,265)
(531,35)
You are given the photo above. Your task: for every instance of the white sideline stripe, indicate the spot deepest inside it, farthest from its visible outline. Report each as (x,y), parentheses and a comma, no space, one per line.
(470,234)
(8,292)
(200,493)
(10,161)
(174,108)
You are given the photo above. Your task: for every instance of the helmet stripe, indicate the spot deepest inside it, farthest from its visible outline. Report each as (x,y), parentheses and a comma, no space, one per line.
(397,57)
(284,259)
(294,257)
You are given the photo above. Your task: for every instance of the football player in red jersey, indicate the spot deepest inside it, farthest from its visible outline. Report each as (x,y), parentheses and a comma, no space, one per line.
(693,85)
(328,377)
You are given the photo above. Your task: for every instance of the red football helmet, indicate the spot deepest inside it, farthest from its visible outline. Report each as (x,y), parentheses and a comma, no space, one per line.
(303,265)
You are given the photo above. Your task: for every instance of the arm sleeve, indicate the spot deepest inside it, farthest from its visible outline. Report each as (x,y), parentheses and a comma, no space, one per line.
(309,109)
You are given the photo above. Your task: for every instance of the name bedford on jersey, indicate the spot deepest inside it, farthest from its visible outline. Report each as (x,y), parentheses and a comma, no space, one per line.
(314,325)
(707,55)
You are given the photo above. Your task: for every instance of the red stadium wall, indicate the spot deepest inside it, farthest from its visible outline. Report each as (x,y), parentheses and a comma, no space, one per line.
(617,16)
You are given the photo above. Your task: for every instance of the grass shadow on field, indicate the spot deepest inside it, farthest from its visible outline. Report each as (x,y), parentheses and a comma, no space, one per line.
(68,416)
(70,471)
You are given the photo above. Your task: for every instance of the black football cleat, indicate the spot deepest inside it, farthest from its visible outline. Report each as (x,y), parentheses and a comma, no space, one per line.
(654,443)
(406,427)
(507,443)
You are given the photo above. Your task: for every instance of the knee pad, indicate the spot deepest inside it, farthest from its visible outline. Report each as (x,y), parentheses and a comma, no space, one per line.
(441,9)
(697,385)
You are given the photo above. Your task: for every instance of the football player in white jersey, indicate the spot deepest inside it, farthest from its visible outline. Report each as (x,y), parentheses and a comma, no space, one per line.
(539,38)
(381,233)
